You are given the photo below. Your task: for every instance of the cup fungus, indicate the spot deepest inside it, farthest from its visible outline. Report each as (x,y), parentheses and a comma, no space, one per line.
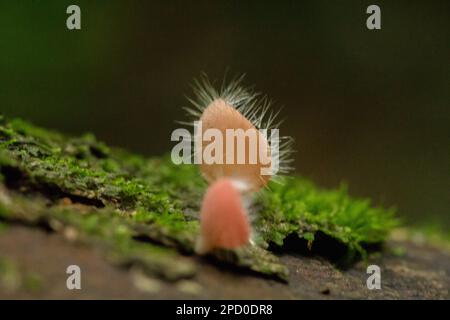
(241,119)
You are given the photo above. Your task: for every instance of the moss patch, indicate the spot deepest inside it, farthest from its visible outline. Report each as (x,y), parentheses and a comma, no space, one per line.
(12,279)
(298,206)
(146,210)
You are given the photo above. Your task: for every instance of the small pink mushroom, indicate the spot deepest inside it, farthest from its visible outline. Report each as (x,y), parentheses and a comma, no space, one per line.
(224,221)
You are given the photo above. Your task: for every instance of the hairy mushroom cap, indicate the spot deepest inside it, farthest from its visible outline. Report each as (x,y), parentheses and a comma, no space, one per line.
(237,107)
(242,139)
(241,118)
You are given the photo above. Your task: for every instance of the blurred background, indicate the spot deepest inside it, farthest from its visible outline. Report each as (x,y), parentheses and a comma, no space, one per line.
(371,108)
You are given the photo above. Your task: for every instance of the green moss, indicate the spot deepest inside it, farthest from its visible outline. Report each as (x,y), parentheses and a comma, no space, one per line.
(104,228)
(433,233)
(3,226)
(13,279)
(9,275)
(298,206)
(131,197)
(398,251)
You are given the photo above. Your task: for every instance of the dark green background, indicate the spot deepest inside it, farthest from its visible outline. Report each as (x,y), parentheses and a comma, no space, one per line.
(368,107)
